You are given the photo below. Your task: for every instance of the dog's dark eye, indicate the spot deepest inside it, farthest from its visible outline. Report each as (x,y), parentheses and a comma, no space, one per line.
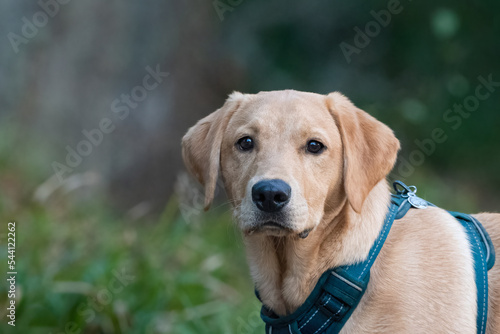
(245,144)
(314,146)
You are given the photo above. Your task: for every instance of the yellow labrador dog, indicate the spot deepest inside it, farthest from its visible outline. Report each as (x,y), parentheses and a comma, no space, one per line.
(306,174)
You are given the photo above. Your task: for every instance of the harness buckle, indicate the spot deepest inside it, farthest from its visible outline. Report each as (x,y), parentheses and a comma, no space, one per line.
(416,201)
(409,192)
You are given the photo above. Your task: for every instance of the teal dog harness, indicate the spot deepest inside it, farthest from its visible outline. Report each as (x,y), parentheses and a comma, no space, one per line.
(340,289)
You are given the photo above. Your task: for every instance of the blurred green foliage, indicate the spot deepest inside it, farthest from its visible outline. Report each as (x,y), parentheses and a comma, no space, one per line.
(178,277)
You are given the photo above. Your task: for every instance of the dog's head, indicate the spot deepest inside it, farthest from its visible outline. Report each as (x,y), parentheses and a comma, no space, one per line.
(289,158)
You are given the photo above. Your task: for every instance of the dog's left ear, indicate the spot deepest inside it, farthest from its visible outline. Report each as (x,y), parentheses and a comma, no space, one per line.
(370,148)
(202,143)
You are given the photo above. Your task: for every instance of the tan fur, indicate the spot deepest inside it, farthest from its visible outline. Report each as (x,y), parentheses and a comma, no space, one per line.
(423,279)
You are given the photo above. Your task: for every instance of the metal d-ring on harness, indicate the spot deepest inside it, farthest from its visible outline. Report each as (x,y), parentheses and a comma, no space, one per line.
(340,289)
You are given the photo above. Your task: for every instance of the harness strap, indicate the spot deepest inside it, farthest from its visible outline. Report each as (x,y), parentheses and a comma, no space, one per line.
(483,254)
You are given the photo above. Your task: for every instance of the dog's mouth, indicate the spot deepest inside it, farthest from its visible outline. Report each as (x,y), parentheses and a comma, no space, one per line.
(277,229)
(272,227)
(272,224)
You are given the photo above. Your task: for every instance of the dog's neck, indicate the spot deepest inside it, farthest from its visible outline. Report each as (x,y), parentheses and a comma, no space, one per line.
(286,269)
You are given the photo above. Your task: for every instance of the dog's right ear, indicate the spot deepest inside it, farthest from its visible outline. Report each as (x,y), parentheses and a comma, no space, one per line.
(201,145)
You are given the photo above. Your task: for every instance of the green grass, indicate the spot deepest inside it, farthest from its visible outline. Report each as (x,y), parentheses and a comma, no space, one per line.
(187,277)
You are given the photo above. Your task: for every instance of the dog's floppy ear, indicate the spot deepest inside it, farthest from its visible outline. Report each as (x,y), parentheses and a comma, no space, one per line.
(202,143)
(370,148)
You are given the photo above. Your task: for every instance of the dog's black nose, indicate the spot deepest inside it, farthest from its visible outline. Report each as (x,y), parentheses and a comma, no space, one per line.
(271,195)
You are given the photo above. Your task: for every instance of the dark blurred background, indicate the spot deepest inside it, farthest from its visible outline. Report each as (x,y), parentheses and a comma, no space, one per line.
(95,97)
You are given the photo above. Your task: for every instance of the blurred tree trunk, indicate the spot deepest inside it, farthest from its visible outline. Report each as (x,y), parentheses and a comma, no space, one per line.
(200,80)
